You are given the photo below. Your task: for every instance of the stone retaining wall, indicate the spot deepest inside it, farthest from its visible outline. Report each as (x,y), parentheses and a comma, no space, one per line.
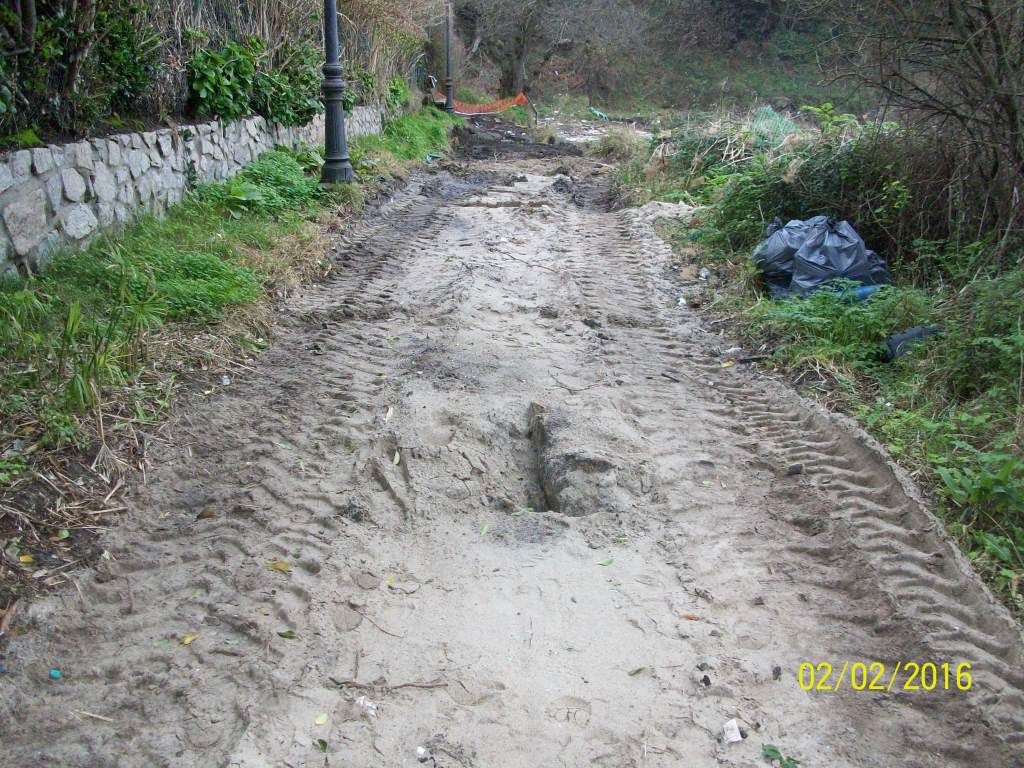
(64,195)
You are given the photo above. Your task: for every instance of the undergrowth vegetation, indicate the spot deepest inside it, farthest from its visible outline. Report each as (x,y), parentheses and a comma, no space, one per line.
(952,410)
(71,68)
(80,331)
(91,346)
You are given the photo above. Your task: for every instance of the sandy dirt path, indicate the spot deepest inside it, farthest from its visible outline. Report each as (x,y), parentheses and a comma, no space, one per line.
(491,500)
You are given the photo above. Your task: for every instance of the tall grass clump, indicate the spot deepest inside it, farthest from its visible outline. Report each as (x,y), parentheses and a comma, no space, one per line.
(80,333)
(82,325)
(620,144)
(409,138)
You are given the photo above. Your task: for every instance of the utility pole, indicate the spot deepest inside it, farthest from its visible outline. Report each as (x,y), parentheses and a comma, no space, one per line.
(449,88)
(337,163)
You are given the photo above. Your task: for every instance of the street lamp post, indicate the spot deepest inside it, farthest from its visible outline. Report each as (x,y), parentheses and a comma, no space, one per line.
(449,89)
(337,163)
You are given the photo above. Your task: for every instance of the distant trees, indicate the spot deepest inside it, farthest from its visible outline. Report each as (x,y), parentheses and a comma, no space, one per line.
(522,38)
(519,38)
(713,23)
(952,62)
(955,67)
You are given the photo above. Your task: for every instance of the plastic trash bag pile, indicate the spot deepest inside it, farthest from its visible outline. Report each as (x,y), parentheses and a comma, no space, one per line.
(801,256)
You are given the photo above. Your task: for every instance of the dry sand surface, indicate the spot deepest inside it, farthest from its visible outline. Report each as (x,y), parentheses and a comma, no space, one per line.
(491,500)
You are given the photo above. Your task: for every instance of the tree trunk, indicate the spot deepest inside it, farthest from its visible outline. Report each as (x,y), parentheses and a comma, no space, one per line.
(85,28)
(513,76)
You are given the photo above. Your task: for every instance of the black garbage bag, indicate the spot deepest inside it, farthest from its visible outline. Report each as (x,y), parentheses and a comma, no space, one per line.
(774,256)
(803,255)
(832,252)
(901,343)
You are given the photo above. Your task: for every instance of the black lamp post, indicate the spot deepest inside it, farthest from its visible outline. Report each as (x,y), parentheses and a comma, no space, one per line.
(449,90)
(337,163)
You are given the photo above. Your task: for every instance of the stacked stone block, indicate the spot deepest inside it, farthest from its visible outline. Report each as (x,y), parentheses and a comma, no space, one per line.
(63,196)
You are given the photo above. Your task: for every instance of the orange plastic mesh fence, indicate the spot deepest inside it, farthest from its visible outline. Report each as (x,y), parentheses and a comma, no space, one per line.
(462,108)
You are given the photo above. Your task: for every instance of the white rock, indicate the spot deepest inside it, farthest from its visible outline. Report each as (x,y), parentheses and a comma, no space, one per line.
(77,221)
(99,148)
(26,221)
(113,153)
(6,178)
(166,143)
(42,160)
(103,184)
(54,191)
(74,185)
(105,213)
(21,165)
(138,162)
(80,155)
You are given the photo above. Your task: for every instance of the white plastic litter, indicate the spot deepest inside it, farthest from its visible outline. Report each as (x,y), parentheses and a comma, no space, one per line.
(731,731)
(368,706)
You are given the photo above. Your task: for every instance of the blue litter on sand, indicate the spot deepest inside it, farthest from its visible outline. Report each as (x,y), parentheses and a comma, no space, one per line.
(55,674)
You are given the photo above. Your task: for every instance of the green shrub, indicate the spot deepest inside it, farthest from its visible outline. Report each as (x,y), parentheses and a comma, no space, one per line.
(114,66)
(984,353)
(127,55)
(221,82)
(399,94)
(238,80)
(361,85)
(271,186)
(290,95)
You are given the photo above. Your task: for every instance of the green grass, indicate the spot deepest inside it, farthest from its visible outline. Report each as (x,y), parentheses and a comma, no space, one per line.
(84,332)
(725,81)
(76,335)
(411,137)
(952,410)
(24,139)
(472,95)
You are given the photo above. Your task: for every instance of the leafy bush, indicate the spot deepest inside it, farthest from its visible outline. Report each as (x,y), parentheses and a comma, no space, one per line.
(76,70)
(360,85)
(221,82)
(127,55)
(290,95)
(238,80)
(399,94)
